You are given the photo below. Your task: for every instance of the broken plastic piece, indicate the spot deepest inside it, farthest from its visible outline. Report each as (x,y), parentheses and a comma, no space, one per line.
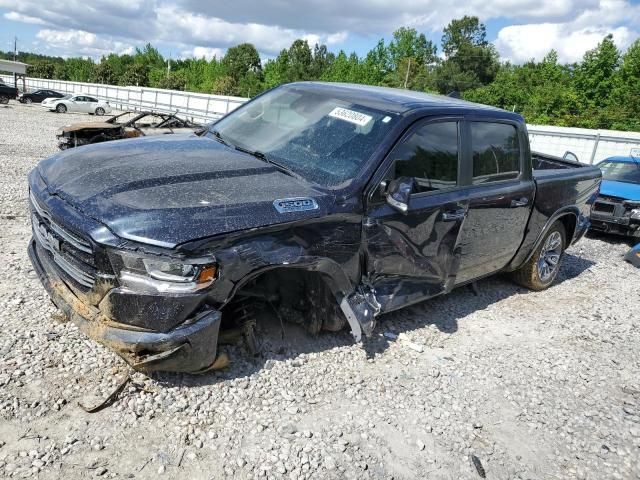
(109,400)
(361,308)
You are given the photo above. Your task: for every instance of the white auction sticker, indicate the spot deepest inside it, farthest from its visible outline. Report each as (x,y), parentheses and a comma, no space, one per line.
(350,116)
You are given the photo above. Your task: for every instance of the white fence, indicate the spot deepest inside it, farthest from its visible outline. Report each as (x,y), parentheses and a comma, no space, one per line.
(590,146)
(198,106)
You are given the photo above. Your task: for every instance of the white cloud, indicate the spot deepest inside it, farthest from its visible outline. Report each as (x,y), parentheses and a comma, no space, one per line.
(570,26)
(19,17)
(520,43)
(200,52)
(199,29)
(572,39)
(81,43)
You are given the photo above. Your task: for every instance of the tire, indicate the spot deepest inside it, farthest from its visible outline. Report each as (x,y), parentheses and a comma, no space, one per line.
(61,108)
(542,268)
(99,111)
(4,99)
(28,101)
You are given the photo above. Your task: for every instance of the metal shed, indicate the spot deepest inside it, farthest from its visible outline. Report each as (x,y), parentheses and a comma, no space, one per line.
(18,69)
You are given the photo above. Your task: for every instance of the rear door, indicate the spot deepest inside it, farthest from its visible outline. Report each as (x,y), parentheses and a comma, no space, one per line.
(501,196)
(414,255)
(91,104)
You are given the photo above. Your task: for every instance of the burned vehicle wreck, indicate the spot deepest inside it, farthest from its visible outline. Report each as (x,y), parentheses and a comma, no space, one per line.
(332,203)
(125,125)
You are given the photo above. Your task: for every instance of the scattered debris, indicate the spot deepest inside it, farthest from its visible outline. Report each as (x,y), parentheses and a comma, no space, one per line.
(109,400)
(479,468)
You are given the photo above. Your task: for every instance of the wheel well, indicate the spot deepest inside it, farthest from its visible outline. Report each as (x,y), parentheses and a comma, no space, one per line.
(569,221)
(297,295)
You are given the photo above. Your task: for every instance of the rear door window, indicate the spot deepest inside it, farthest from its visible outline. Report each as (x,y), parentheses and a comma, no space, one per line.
(496,152)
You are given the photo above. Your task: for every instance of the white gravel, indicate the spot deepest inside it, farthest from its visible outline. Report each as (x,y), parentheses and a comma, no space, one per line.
(535,385)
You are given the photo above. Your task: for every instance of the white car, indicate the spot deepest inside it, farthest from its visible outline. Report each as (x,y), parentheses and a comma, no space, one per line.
(80,103)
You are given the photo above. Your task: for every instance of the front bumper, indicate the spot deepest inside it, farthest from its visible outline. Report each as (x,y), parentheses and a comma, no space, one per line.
(188,347)
(615,224)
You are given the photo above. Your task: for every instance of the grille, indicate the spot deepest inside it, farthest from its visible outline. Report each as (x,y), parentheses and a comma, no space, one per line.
(71,253)
(604,207)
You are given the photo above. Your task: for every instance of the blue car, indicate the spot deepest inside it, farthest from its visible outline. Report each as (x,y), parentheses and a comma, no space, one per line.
(617,208)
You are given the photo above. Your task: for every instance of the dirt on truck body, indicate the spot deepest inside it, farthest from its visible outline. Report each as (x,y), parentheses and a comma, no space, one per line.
(330,204)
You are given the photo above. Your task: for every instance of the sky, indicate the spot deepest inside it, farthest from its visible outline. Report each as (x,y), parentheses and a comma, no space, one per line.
(520,29)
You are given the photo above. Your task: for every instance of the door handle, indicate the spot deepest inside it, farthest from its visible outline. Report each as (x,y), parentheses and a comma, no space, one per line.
(453,215)
(520,202)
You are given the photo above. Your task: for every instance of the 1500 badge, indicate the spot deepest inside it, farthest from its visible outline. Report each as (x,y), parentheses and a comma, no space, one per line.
(298,204)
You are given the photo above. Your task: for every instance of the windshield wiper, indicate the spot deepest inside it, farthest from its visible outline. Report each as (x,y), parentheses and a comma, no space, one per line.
(218,136)
(261,156)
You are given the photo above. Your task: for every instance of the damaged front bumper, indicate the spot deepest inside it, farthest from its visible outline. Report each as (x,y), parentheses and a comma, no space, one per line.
(188,347)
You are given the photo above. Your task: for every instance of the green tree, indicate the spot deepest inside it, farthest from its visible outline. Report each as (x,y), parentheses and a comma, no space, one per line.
(596,75)
(299,61)
(276,71)
(41,69)
(408,43)
(321,61)
(103,73)
(173,81)
(79,69)
(624,100)
(224,85)
(470,61)
(136,74)
(242,60)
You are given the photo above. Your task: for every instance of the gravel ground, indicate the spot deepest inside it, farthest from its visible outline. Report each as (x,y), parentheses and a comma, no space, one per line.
(529,385)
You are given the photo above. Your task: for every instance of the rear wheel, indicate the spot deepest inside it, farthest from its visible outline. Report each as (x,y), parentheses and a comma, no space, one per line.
(99,111)
(542,268)
(61,108)
(4,99)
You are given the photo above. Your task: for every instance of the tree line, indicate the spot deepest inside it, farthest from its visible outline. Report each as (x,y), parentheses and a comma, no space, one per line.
(600,91)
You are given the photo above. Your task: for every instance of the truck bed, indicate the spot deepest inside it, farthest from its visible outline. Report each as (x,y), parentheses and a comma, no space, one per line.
(558,182)
(543,161)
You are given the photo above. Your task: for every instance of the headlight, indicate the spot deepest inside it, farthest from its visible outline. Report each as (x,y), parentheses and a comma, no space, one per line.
(157,274)
(635,213)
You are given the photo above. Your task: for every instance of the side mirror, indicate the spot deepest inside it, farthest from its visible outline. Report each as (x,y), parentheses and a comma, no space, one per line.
(398,193)
(572,157)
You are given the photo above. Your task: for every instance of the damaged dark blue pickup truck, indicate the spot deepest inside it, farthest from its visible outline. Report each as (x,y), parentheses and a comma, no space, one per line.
(333,203)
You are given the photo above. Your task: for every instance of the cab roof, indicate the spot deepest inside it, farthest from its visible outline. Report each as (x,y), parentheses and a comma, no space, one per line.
(400,101)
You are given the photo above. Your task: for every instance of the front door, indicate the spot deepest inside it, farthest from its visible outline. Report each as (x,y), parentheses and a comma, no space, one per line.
(414,255)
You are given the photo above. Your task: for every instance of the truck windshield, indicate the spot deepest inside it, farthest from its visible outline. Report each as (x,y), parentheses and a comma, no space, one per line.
(323,139)
(628,172)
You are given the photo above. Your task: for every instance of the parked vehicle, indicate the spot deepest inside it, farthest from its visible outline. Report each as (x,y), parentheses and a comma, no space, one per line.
(125,125)
(617,208)
(38,96)
(7,93)
(331,203)
(77,104)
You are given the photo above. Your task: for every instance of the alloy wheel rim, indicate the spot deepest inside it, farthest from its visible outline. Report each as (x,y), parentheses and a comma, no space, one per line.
(549,259)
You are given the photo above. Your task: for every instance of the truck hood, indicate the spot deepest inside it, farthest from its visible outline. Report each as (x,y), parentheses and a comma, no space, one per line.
(626,191)
(168,190)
